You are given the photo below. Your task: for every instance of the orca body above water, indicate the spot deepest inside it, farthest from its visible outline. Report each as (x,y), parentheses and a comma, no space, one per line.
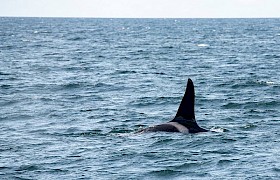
(184,120)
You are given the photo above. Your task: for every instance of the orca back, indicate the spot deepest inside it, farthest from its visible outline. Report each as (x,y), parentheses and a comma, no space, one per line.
(184,120)
(185,114)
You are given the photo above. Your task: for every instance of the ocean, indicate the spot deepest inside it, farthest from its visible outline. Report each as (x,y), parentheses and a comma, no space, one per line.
(73,92)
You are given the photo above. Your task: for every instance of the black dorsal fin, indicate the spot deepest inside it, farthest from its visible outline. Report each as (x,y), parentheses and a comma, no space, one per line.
(186,108)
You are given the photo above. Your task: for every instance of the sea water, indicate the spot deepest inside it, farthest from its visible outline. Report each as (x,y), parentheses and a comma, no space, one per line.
(74,91)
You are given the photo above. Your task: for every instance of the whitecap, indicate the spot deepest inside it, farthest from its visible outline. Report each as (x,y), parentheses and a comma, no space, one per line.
(267,82)
(26,40)
(203,45)
(270,82)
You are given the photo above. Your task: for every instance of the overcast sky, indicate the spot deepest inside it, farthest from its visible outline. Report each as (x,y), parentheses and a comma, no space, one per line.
(141,8)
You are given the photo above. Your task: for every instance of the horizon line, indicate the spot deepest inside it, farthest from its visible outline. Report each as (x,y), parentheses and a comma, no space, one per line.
(88,17)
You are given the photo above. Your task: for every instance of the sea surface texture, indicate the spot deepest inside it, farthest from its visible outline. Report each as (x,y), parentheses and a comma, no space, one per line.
(73,92)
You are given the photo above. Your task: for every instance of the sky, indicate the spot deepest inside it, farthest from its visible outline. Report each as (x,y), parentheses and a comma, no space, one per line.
(142,8)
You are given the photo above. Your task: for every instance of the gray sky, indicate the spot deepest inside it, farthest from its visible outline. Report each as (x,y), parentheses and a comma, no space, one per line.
(141,8)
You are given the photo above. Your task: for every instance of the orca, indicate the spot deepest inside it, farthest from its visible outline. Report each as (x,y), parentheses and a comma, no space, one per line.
(184,121)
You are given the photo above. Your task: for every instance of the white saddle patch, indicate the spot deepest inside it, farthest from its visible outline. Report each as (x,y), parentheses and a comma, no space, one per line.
(180,127)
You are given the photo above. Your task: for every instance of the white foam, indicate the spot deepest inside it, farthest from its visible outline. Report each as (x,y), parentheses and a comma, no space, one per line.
(218,130)
(270,82)
(203,45)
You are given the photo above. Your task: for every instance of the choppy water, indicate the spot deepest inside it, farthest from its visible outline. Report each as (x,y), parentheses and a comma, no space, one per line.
(74,91)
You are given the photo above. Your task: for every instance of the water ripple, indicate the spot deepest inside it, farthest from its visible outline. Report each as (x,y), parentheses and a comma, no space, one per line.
(75,91)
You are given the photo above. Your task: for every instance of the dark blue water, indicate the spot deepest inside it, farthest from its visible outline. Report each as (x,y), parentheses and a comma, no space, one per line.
(74,91)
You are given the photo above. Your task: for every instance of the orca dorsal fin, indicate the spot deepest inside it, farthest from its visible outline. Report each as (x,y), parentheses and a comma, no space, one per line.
(186,108)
